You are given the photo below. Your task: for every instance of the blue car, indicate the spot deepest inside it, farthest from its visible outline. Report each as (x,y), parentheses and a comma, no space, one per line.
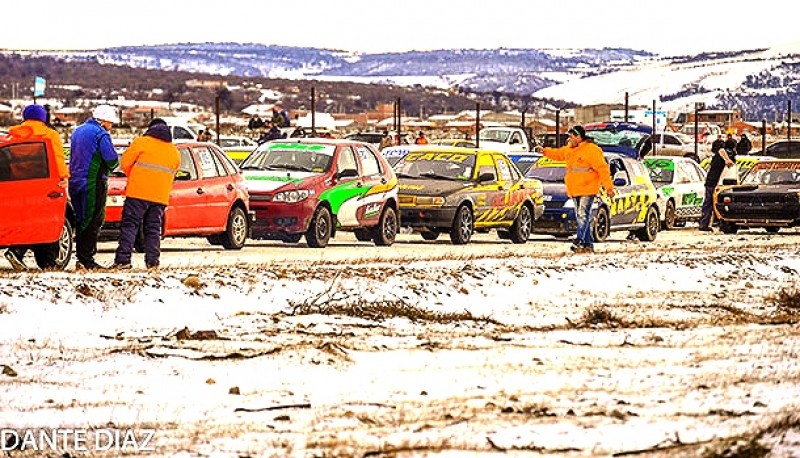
(634,207)
(524,161)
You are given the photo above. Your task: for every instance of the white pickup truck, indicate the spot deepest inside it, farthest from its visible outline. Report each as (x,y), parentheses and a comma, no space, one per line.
(508,140)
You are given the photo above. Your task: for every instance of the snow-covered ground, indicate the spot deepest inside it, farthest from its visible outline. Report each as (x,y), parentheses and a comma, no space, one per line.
(676,348)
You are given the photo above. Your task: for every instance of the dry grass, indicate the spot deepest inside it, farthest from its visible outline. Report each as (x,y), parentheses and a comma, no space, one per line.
(384,310)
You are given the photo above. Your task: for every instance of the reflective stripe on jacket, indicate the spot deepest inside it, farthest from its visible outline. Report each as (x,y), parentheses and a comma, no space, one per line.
(150,165)
(587,169)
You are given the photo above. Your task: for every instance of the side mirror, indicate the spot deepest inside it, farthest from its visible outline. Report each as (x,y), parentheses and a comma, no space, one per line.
(183,175)
(486,176)
(347,173)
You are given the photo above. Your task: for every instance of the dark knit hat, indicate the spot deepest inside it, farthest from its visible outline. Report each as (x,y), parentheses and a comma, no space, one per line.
(579,131)
(36,112)
(157,121)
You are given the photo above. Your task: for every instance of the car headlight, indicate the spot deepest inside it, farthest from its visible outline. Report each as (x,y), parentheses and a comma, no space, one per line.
(430,201)
(290,197)
(569,203)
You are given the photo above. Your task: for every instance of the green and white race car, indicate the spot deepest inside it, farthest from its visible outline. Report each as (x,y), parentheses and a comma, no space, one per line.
(680,183)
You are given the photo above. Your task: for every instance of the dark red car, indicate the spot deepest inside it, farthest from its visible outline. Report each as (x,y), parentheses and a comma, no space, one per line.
(208,198)
(34,210)
(313,187)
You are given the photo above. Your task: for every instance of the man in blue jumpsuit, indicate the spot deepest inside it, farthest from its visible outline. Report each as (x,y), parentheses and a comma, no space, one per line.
(92,156)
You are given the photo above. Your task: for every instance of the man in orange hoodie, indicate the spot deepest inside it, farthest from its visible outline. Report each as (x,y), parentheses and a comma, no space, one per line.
(150,164)
(35,124)
(587,169)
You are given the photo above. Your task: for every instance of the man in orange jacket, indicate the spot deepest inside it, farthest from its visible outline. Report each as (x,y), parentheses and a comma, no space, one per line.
(587,169)
(35,124)
(150,164)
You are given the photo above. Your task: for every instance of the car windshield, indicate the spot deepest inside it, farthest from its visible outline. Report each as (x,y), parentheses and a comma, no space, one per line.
(773,174)
(547,171)
(446,166)
(662,171)
(495,135)
(290,156)
(625,138)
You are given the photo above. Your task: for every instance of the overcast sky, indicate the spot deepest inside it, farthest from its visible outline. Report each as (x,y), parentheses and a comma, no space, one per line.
(670,27)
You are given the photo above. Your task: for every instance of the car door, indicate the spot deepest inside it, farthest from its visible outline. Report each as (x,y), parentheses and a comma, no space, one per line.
(38,204)
(368,212)
(692,189)
(186,202)
(623,209)
(489,194)
(513,195)
(216,187)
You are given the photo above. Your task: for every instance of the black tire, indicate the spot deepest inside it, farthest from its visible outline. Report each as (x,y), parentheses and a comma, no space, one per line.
(602,225)
(772,229)
(463,226)
(363,235)
(728,228)
(319,231)
(669,217)
(55,255)
(236,230)
(651,224)
(430,235)
(521,229)
(386,230)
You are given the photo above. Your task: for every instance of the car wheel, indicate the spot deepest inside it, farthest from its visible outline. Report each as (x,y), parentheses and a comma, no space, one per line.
(463,225)
(728,228)
(363,235)
(319,231)
(651,224)
(430,235)
(521,229)
(669,216)
(236,230)
(772,230)
(602,225)
(386,231)
(55,255)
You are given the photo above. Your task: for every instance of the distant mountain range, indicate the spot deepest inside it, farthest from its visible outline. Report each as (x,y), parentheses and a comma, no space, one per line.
(757,82)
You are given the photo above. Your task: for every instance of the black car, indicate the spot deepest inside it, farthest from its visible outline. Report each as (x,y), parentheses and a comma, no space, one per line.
(767,197)
(784,149)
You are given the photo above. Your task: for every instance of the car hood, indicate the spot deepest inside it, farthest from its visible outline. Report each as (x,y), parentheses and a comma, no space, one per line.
(430,187)
(257,181)
(762,189)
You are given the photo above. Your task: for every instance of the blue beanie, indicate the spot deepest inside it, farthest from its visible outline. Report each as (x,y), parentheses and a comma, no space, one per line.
(35,112)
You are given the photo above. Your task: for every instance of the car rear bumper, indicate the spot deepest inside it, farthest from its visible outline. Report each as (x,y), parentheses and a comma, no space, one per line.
(556,221)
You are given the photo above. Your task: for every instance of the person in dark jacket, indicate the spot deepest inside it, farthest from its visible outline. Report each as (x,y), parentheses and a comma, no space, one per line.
(92,156)
(719,161)
(744,146)
(150,164)
(280,118)
(730,145)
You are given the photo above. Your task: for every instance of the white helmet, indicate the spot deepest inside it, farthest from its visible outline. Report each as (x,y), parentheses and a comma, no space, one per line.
(105,113)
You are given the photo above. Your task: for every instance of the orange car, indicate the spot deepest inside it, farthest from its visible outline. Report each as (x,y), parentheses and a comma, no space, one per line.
(35,210)
(208,199)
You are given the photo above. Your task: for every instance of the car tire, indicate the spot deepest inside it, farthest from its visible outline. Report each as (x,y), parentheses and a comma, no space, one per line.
(319,231)
(430,235)
(523,225)
(772,229)
(463,226)
(602,225)
(55,255)
(291,238)
(363,235)
(386,230)
(669,216)
(236,230)
(728,228)
(651,224)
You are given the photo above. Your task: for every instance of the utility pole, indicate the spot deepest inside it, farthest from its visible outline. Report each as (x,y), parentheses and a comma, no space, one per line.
(477,124)
(313,112)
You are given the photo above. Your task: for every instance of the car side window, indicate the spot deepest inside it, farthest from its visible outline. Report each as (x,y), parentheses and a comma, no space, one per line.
(671,140)
(516,138)
(369,163)
(230,167)
(618,171)
(689,171)
(504,169)
(490,169)
(187,163)
(23,161)
(208,166)
(346,160)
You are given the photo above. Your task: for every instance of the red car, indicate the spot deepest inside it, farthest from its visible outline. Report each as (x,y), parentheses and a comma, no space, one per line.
(34,210)
(208,198)
(313,187)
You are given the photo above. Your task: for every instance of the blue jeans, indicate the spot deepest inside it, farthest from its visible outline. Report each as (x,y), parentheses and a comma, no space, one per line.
(583,213)
(708,207)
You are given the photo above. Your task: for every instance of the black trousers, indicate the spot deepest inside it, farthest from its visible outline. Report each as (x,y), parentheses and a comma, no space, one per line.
(87,234)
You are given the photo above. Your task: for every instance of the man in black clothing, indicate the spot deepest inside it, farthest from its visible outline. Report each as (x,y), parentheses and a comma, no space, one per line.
(744,146)
(719,161)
